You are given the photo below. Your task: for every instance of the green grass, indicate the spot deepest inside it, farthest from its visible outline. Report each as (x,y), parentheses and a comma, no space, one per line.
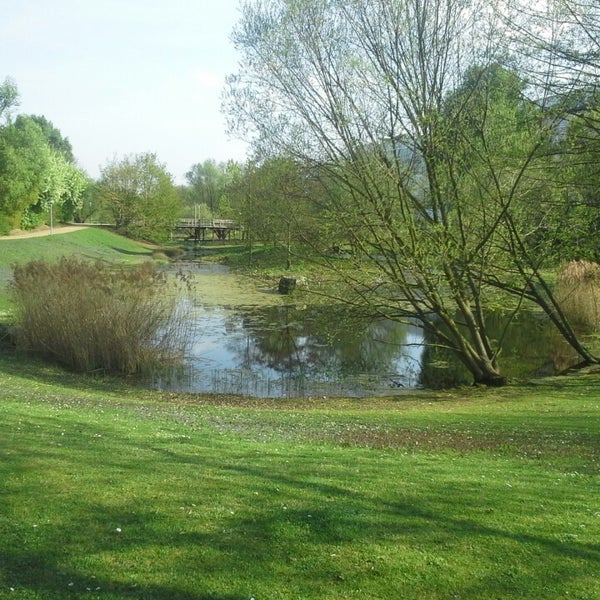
(94,243)
(116,493)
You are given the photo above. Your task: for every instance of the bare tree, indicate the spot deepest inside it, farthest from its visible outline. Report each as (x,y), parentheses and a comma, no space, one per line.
(425,169)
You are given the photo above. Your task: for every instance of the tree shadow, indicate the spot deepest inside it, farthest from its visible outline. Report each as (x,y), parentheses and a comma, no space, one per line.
(308,510)
(132,252)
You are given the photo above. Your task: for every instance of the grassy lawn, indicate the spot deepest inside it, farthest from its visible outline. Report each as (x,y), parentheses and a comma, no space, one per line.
(94,243)
(116,493)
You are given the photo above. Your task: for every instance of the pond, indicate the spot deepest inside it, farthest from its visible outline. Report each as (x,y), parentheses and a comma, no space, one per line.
(273,347)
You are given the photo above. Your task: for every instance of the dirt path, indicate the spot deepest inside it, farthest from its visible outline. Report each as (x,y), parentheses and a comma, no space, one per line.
(42,231)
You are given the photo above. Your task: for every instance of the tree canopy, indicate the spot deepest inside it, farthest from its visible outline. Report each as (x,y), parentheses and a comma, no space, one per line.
(37,168)
(429,152)
(140,195)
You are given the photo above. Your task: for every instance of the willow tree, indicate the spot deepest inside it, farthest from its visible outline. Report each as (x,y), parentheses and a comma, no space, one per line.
(424,160)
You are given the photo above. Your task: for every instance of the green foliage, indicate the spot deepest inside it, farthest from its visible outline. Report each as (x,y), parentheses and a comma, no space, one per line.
(276,203)
(209,190)
(9,97)
(25,160)
(206,184)
(432,163)
(37,171)
(141,197)
(89,317)
(578,180)
(53,136)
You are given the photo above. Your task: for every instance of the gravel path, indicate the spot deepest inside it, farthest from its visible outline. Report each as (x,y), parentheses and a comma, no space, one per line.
(40,232)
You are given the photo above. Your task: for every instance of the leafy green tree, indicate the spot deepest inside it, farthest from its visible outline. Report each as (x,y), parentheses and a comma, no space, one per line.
(38,178)
(64,187)
(275,205)
(577,224)
(428,164)
(25,160)
(207,183)
(9,97)
(53,136)
(60,194)
(140,195)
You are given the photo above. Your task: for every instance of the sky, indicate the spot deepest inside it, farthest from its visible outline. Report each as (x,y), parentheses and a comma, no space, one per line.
(120,77)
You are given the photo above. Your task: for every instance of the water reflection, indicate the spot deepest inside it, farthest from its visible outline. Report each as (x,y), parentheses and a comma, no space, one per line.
(285,351)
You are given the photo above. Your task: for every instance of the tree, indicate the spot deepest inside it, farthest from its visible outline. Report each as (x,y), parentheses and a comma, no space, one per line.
(141,196)
(24,162)
(90,205)
(61,184)
(207,182)
(54,137)
(423,162)
(274,204)
(9,97)
(63,189)
(559,41)
(37,171)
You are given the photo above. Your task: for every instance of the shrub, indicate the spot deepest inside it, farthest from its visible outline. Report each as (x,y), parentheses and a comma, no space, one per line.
(578,293)
(91,317)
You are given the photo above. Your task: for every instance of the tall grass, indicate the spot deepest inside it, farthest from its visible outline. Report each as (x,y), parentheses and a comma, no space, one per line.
(91,317)
(578,292)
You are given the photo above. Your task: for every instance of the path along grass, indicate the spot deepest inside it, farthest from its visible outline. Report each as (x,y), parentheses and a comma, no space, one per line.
(114,493)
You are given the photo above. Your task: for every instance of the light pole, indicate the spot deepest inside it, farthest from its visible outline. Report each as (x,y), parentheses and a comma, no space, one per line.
(51,217)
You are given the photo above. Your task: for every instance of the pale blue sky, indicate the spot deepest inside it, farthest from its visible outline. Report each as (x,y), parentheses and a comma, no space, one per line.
(125,76)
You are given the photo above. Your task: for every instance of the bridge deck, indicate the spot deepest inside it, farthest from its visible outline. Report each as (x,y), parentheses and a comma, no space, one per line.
(197,228)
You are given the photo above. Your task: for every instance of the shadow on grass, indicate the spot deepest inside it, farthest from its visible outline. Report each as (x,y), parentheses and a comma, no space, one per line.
(131,252)
(254,513)
(42,575)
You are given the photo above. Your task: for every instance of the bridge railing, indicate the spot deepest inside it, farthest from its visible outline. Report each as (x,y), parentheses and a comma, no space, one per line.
(208,223)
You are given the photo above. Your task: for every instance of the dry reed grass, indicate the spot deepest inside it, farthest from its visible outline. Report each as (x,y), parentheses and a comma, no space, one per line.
(91,317)
(578,293)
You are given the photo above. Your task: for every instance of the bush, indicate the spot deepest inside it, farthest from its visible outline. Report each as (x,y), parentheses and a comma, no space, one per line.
(90,317)
(578,293)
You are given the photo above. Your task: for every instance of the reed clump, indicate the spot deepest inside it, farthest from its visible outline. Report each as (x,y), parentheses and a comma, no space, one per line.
(94,317)
(578,293)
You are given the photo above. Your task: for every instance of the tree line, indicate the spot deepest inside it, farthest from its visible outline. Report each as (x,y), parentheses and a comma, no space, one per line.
(37,168)
(447,149)
(40,181)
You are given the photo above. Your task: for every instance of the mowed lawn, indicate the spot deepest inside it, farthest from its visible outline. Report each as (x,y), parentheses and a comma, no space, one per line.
(118,493)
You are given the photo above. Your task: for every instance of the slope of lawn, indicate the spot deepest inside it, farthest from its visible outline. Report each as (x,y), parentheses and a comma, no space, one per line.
(117,493)
(93,243)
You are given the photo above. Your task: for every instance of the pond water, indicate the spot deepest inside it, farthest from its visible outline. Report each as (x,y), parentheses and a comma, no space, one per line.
(280,349)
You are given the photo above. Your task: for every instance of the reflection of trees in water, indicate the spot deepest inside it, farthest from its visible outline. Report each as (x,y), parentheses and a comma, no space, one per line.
(529,348)
(328,342)
(324,340)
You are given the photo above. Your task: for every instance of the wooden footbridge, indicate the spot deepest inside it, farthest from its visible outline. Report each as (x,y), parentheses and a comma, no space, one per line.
(197,228)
